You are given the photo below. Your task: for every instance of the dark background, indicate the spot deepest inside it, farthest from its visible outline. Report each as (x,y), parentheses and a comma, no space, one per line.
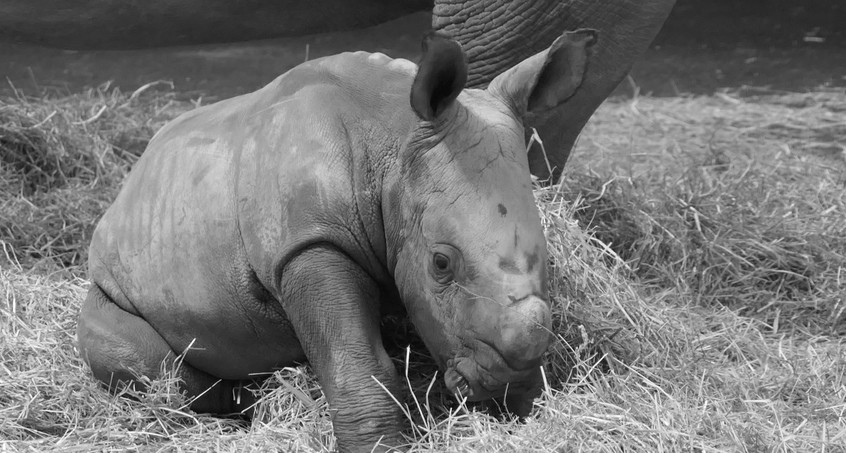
(709,44)
(705,45)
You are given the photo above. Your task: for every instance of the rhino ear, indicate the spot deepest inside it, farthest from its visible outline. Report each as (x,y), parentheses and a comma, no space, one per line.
(441,75)
(547,79)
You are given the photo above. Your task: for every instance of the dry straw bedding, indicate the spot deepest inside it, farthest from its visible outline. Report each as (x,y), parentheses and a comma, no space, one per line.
(696,270)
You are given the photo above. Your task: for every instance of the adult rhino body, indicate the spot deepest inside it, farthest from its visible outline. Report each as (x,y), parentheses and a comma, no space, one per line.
(496,35)
(278,227)
(121,24)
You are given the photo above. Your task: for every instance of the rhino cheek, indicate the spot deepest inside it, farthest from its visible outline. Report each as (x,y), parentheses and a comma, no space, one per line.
(433,317)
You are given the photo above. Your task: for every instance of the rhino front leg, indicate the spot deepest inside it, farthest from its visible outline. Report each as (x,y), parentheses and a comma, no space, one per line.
(334,307)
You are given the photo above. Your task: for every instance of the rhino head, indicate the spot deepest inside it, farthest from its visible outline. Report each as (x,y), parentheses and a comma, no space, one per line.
(469,254)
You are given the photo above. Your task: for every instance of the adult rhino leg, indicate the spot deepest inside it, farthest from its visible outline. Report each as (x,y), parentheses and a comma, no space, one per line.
(558,131)
(119,346)
(626,28)
(497,34)
(334,307)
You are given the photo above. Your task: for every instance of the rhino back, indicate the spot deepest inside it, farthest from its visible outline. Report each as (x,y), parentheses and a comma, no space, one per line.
(225,195)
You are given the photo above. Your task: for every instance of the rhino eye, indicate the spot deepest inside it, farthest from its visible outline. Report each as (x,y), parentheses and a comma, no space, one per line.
(441,262)
(442,267)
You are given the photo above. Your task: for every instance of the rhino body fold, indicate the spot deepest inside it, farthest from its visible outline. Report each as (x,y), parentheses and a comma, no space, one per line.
(276,227)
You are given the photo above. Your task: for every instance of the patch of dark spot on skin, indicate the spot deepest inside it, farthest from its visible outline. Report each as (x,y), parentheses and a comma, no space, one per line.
(502,210)
(516,237)
(198,175)
(508,265)
(200,141)
(531,260)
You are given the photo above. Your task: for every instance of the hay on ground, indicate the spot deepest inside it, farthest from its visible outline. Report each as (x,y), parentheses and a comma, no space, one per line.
(696,274)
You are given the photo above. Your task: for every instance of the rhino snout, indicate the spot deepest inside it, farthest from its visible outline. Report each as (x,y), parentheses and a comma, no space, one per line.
(524,332)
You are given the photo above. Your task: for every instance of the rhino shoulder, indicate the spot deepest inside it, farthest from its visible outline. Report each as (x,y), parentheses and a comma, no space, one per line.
(363,67)
(362,87)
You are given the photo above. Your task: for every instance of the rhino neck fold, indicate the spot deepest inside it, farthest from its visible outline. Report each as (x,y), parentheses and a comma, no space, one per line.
(401,213)
(376,145)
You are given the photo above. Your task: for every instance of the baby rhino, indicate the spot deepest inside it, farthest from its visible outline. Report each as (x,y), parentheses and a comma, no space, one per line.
(279,226)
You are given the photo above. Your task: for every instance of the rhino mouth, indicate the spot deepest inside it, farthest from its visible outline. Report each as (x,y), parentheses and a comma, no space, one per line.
(484,373)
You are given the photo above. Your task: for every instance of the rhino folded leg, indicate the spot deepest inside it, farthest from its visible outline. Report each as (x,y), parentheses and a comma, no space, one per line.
(334,307)
(119,346)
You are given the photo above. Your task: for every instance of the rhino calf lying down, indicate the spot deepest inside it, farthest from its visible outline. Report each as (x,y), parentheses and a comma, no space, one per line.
(276,227)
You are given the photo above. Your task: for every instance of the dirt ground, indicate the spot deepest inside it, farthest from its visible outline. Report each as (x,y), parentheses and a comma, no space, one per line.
(704,46)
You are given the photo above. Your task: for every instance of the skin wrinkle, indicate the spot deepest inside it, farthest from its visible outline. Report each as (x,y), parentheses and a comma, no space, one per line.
(511,46)
(240,302)
(429,135)
(154,214)
(342,307)
(480,339)
(455,199)
(349,414)
(270,306)
(377,164)
(448,12)
(263,307)
(376,178)
(469,121)
(423,140)
(351,167)
(463,122)
(361,151)
(489,163)
(490,53)
(114,290)
(487,379)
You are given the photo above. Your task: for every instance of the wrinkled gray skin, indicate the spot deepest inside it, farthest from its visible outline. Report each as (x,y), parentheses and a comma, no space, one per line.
(278,227)
(496,35)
